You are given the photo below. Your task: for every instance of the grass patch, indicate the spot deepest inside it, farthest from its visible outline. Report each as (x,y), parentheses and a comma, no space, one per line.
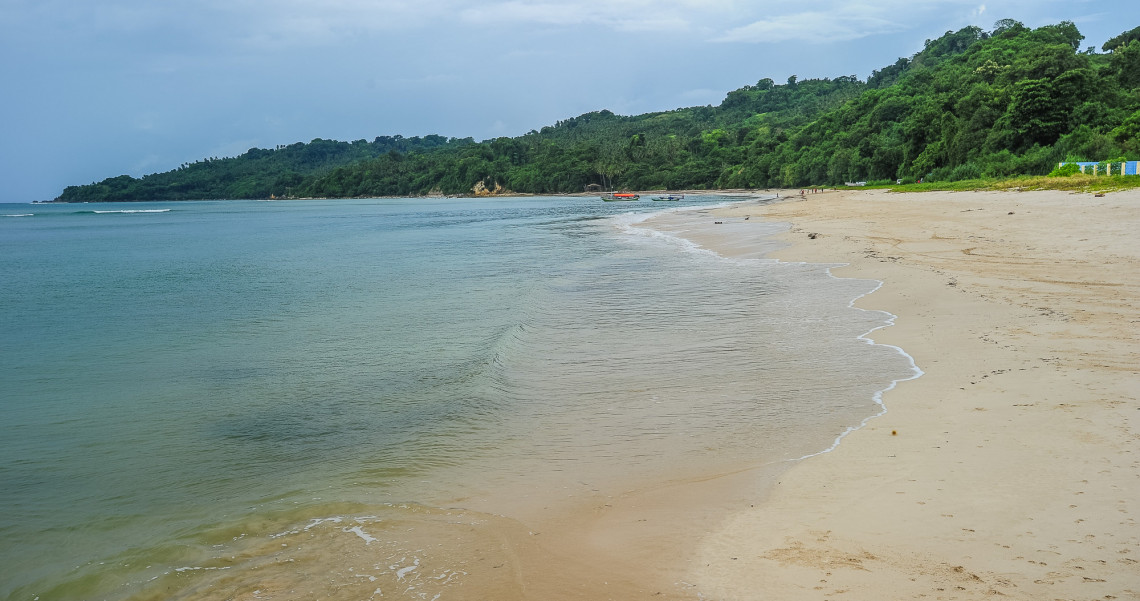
(1073,183)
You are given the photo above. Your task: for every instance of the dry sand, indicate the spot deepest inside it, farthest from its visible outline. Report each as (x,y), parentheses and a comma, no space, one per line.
(1012,467)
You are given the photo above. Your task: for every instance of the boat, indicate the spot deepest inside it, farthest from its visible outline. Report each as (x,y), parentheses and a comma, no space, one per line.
(619,196)
(669,197)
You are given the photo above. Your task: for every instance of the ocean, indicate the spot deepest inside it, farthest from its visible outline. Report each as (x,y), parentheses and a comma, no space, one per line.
(227,398)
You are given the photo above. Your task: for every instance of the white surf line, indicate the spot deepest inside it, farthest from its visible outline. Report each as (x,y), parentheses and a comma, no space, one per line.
(628,223)
(626,220)
(126,211)
(916,372)
(631,219)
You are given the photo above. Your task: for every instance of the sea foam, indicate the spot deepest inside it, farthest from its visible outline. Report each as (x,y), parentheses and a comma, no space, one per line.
(135,211)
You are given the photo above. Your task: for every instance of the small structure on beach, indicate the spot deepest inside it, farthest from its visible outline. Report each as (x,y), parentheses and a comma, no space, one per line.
(1117,168)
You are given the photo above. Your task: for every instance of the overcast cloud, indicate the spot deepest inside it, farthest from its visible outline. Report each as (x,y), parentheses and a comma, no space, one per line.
(106,87)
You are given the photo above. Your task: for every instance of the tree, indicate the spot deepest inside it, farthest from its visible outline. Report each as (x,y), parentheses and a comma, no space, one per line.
(1125,63)
(1121,40)
(1011,26)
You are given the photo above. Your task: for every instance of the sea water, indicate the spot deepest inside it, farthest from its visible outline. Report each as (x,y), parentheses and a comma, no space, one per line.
(187,387)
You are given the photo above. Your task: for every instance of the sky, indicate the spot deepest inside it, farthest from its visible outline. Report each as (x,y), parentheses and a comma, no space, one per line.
(91,89)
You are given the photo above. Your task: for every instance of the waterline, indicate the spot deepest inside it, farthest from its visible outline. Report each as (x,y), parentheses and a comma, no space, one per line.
(191,381)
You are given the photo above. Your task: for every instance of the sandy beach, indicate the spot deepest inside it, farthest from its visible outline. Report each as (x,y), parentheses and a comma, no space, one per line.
(1012,466)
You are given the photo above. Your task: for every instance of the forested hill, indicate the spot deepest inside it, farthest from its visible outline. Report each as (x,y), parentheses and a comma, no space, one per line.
(971,104)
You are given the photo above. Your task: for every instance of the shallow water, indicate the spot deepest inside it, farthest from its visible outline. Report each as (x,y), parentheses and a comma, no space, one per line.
(190,386)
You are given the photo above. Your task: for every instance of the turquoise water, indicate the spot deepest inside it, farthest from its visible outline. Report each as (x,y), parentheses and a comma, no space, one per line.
(172,372)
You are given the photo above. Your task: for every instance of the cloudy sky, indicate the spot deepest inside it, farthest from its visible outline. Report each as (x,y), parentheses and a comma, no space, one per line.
(96,88)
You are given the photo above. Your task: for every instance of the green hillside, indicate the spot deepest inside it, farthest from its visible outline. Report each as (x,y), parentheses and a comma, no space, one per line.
(971,104)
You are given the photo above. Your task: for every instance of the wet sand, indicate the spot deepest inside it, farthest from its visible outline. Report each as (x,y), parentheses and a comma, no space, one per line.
(1012,467)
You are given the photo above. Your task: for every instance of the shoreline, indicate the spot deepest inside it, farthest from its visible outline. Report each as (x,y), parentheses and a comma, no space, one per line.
(967,481)
(730,247)
(1009,467)
(878,396)
(591,539)
(733,192)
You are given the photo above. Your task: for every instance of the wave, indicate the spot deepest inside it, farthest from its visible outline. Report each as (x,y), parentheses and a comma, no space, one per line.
(915,371)
(635,224)
(130,211)
(56,214)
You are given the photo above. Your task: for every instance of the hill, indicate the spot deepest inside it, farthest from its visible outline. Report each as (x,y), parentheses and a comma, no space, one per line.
(971,104)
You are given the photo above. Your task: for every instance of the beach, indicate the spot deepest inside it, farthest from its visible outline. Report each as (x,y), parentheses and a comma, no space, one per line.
(555,406)
(509,398)
(1011,467)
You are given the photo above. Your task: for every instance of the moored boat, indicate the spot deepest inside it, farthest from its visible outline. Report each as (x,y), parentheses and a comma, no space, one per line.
(669,197)
(620,196)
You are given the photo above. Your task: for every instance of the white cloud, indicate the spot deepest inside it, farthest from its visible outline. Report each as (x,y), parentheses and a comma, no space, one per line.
(523,12)
(622,15)
(282,23)
(325,19)
(287,22)
(812,27)
(822,22)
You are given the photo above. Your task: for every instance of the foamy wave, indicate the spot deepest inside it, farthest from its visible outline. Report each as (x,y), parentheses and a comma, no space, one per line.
(19,215)
(916,371)
(402,572)
(632,223)
(319,521)
(136,211)
(629,223)
(357,530)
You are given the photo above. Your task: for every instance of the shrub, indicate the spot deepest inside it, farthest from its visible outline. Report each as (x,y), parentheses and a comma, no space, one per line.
(1065,170)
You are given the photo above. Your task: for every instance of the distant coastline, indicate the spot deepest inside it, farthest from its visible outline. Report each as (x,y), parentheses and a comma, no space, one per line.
(718,192)
(1028,103)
